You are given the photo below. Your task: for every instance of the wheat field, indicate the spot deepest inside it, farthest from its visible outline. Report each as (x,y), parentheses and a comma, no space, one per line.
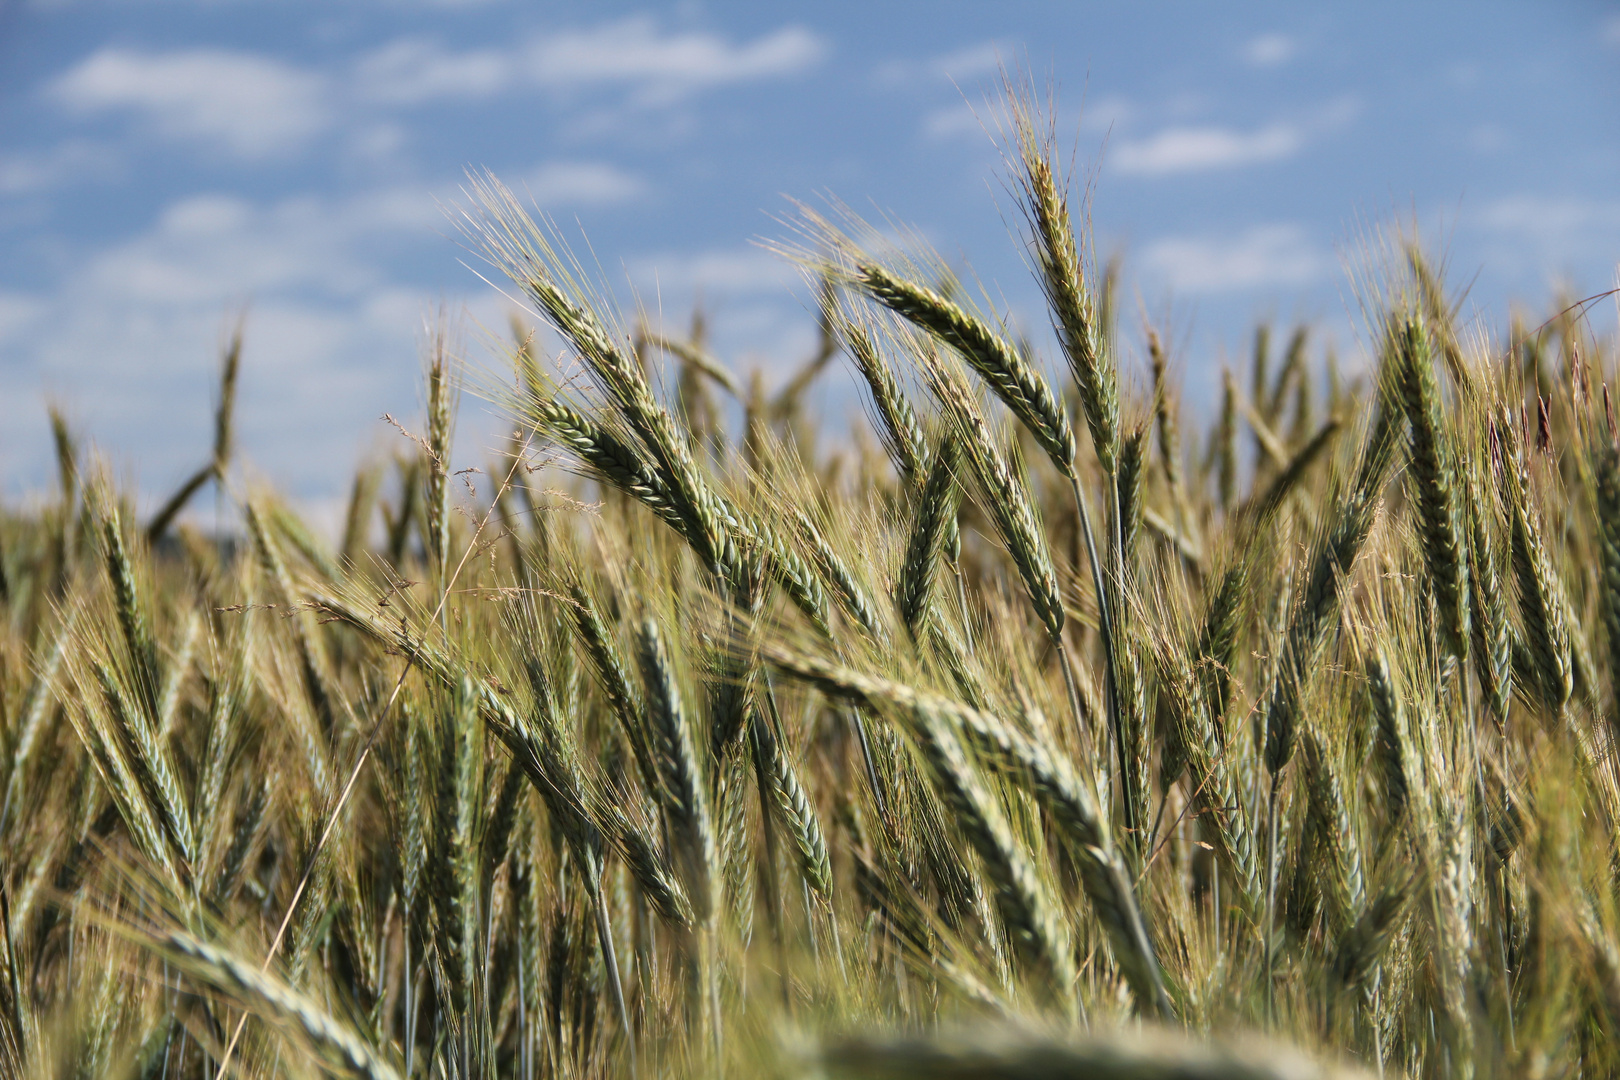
(1044,730)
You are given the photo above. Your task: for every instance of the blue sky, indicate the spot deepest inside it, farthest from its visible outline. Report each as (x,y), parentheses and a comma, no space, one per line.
(166,163)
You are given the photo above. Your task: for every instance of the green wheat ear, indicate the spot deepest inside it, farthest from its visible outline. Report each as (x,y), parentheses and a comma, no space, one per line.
(1434,484)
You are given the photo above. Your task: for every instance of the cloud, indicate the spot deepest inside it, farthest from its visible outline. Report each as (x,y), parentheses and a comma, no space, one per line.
(1266,255)
(77,159)
(1559,230)
(581,183)
(733,272)
(658,66)
(1106,112)
(957,66)
(248,105)
(1611,31)
(1545,217)
(1270,50)
(413,70)
(954,121)
(634,51)
(1197,149)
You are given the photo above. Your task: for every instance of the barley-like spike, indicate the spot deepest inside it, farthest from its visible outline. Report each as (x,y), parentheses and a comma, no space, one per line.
(1491,628)
(1027,913)
(168,711)
(526,252)
(1440,315)
(1606,472)
(898,427)
(687,802)
(1217,642)
(1164,416)
(1540,599)
(233,863)
(738,863)
(1293,367)
(1337,829)
(696,356)
(132,617)
(357,521)
(1136,749)
(1104,876)
(1132,466)
(783,564)
(851,595)
(614,680)
(263,992)
(1214,789)
(1261,373)
(1263,506)
(1005,499)
(316,682)
(1435,490)
(658,880)
(454,873)
(800,817)
(1082,331)
(400,525)
(1361,949)
(935,504)
(1048,776)
(1332,556)
(501,821)
(152,782)
(224,442)
(544,748)
(1008,374)
(438,449)
(609,459)
(41,703)
(1226,443)
(227,707)
(1391,740)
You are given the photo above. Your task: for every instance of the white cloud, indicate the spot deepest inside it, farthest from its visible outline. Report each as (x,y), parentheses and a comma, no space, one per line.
(734,272)
(1106,112)
(634,51)
(249,105)
(19,313)
(1542,216)
(954,121)
(77,159)
(1270,50)
(1557,230)
(961,65)
(1267,255)
(657,65)
(1196,149)
(413,70)
(580,183)
(1611,31)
